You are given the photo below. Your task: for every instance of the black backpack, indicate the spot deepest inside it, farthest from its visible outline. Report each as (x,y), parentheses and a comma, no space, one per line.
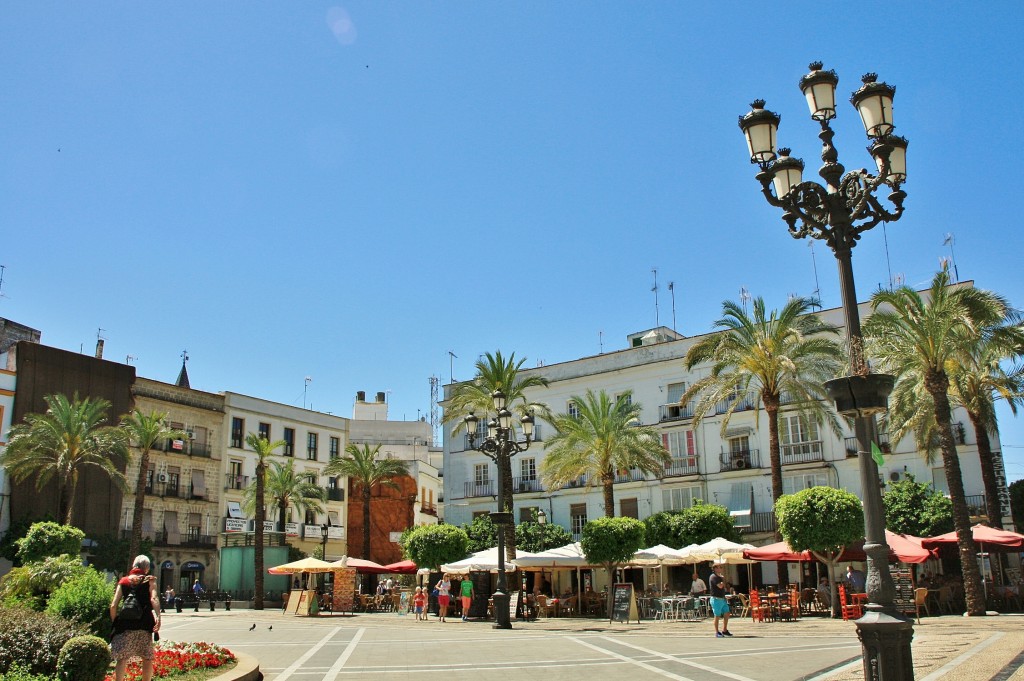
(131,609)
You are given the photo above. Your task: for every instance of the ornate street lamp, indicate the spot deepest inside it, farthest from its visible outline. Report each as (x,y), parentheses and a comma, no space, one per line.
(500,445)
(323,535)
(838,213)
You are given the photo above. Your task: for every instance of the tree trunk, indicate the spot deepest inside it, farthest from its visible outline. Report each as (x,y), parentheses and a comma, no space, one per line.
(282,514)
(506,493)
(68,497)
(937,384)
(366,522)
(607,491)
(988,473)
(261,514)
(140,501)
(771,408)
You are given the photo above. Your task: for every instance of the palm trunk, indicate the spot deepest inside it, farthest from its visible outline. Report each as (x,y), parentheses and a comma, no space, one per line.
(937,384)
(140,502)
(366,522)
(261,514)
(988,473)
(506,493)
(282,514)
(68,498)
(607,491)
(771,408)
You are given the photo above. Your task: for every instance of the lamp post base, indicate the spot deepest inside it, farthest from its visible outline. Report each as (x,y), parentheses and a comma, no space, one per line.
(501,614)
(885,639)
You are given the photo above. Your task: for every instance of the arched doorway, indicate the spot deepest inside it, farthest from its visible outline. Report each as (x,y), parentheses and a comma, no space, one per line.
(166,576)
(190,572)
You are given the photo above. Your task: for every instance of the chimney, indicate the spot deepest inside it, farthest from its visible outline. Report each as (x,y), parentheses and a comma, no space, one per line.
(361,396)
(99,348)
(380,397)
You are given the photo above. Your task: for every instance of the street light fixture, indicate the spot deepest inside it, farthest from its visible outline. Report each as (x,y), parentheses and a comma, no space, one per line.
(323,536)
(500,446)
(838,213)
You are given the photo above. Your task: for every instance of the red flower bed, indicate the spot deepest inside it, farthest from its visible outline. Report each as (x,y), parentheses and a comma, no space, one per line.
(171,658)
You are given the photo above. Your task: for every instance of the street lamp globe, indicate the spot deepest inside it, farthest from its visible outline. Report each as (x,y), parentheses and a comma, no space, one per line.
(498,398)
(527,423)
(761,128)
(874,104)
(819,87)
(891,148)
(787,172)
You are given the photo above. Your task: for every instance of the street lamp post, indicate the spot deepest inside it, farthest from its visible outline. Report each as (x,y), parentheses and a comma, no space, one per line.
(838,213)
(500,446)
(324,530)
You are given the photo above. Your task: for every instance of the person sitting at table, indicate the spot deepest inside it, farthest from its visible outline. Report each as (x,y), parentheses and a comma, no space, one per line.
(698,587)
(855,578)
(824,592)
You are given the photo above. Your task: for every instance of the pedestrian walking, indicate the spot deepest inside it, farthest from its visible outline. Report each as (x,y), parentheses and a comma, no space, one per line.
(444,588)
(719,604)
(466,588)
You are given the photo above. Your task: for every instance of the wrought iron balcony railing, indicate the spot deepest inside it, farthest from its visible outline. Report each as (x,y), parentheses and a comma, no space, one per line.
(740,460)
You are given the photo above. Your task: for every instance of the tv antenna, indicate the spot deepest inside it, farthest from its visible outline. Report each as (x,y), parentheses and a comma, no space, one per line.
(817,287)
(451,356)
(2,268)
(672,291)
(600,342)
(949,241)
(744,298)
(654,271)
(309,379)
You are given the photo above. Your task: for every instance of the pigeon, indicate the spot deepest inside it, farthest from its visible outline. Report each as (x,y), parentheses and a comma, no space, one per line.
(253,626)
(270,628)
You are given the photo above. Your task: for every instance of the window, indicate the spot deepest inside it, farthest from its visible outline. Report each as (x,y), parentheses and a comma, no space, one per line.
(682,446)
(628,508)
(195,526)
(678,498)
(173,480)
(799,437)
(235,480)
(528,514)
(311,517)
(628,396)
(312,442)
(289,441)
(265,431)
(939,481)
(237,432)
(791,484)
(335,447)
(481,474)
(528,469)
(150,474)
(572,410)
(577,518)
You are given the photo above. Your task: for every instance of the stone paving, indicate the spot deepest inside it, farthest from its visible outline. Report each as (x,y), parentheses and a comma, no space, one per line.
(375,646)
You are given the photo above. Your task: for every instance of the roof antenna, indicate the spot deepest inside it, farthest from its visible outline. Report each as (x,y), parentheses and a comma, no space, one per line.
(600,342)
(744,298)
(672,290)
(451,356)
(309,380)
(817,287)
(948,241)
(2,268)
(654,288)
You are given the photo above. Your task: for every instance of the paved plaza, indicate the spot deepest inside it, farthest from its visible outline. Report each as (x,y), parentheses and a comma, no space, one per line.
(376,646)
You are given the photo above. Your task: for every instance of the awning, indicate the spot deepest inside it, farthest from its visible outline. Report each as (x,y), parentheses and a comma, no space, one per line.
(402,567)
(568,556)
(360,565)
(982,534)
(234,510)
(198,483)
(484,561)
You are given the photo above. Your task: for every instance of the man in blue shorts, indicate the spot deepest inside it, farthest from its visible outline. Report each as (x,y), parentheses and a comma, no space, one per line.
(719,606)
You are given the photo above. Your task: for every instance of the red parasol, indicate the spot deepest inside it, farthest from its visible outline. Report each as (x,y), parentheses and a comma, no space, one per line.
(982,534)
(904,547)
(778,551)
(402,567)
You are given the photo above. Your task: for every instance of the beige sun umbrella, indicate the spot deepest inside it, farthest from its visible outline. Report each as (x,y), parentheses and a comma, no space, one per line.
(304,565)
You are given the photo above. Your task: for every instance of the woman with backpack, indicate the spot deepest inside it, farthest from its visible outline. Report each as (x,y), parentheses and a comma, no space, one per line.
(135,612)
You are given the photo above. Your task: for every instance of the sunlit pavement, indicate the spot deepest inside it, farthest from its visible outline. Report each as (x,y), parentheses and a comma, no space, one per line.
(378,645)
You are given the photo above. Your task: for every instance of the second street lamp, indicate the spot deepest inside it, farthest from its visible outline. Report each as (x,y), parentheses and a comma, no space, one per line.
(838,213)
(500,446)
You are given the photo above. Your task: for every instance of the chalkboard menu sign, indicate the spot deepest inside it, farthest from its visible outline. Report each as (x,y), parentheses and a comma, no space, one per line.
(624,603)
(903,577)
(513,604)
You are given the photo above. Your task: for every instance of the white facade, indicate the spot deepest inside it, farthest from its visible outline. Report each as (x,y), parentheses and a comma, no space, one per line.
(315,438)
(730,469)
(7,385)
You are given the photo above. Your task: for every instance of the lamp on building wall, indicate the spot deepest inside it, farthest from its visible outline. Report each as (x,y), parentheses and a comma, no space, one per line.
(500,446)
(838,213)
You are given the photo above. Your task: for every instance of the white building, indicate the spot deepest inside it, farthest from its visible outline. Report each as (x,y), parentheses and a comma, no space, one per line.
(731,470)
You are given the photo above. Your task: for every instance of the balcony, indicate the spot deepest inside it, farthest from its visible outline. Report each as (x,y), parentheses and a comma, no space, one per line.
(760,523)
(526,484)
(632,475)
(883,444)
(186,447)
(335,494)
(579,482)
(481,489)
(167,490)
(674,412)
(428,508)
(686,465)
(237,482)
(744,403)
(740,460)
(976,507)
(802,452)
(165,538)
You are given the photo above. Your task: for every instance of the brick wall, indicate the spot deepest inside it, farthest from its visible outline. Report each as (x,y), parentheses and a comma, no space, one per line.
(391,510)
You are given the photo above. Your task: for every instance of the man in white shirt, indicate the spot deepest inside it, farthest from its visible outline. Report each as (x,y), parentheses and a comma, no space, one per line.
(698,587)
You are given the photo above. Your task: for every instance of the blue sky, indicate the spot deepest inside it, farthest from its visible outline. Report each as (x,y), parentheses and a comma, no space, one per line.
(349,192)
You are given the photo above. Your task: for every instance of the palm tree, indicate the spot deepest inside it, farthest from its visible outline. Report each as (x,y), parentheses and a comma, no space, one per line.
(604,436)
(493,373)
(58,445)
(919,339)
(978,380)
(144,431)
(264,449)
(286,487)
(361,465)
(788,353)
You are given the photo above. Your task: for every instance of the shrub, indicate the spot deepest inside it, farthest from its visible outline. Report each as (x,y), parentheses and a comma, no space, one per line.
(85,599)
(31,584)
(49,539)
(33,639)
(19,673)
(435,545)
(83,658)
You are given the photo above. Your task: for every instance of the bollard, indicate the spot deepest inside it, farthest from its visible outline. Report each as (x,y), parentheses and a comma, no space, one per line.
(212,609)
(227,604)
(177,604)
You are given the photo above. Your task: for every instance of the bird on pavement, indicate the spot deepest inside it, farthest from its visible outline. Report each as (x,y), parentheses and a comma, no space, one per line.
(270,628)
(253,626)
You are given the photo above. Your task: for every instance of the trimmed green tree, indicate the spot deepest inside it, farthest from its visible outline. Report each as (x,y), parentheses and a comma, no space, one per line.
(695,525)
(610,542)
(83,658)
(916,508)
(822,520)
(482,533)
(534,537)
(47,539)
(434,545)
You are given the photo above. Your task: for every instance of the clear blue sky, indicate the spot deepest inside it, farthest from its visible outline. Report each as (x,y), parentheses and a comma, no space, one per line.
(349,192)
